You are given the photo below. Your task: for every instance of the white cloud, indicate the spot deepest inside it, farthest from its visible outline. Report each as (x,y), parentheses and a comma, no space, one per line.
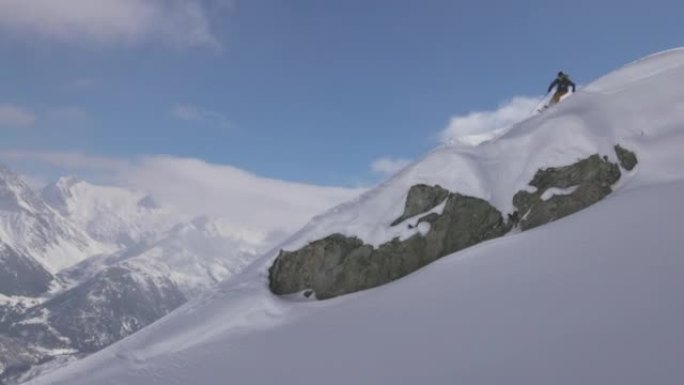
(186,112)
(68,160)
(202,188)
(129,22)
(388,166)
(198,188)
(82,82)
(15,116)
(70,114)
(192,113)
(12,115)
(477,127)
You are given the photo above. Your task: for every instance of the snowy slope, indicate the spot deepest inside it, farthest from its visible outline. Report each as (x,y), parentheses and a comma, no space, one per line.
(33,228)
(637,107)
(564,304)
(592,298)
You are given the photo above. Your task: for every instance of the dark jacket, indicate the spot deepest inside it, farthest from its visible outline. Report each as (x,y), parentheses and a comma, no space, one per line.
(563,83)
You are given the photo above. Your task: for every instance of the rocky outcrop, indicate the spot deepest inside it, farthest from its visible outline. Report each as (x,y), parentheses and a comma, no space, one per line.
(421,198)
(339,265)
(628,159)
(585,183)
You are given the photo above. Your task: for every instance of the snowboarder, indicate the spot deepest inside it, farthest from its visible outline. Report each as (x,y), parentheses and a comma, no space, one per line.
(562,84)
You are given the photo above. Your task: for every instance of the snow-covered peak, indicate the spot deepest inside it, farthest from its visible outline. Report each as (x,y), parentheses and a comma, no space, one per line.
(66,182)
(57,194)
(16,195)
(113,215)
(33,228)
(194,255)
(198,254)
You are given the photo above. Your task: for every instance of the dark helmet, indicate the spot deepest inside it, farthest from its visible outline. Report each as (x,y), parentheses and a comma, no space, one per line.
(561,74)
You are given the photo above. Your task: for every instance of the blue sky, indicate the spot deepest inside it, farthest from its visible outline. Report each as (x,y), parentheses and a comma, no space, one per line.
(313,91)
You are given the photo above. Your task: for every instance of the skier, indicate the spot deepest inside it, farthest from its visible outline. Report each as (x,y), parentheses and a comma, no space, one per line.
(562,84)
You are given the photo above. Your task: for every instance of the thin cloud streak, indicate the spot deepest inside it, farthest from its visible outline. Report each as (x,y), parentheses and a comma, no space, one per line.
(191,113)
(105,22)
(68,160)
(12,115)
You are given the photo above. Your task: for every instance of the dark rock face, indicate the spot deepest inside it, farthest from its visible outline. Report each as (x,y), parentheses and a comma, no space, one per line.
(113,304)
(339,265)
(591,179)
(116,303)
(16,357)
(628,159)
(421,198)
(21,275)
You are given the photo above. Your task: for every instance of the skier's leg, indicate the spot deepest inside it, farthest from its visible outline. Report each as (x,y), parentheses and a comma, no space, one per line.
(556,98)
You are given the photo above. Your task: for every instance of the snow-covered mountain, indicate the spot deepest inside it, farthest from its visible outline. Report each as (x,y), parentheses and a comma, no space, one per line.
(198,254)
(112,296)
(112,215)
(194,255)
(82,265)
(592,298)
(31,227)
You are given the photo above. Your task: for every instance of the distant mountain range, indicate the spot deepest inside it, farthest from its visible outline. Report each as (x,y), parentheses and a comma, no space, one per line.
(82,266)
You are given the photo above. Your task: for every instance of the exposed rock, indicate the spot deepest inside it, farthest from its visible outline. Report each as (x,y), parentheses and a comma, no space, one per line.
(111,305)
(421,198)
(16,357)
(6,312)
(339,265)
(590,178)
(628,159)
(593,169)
(108,307)
(21,275)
